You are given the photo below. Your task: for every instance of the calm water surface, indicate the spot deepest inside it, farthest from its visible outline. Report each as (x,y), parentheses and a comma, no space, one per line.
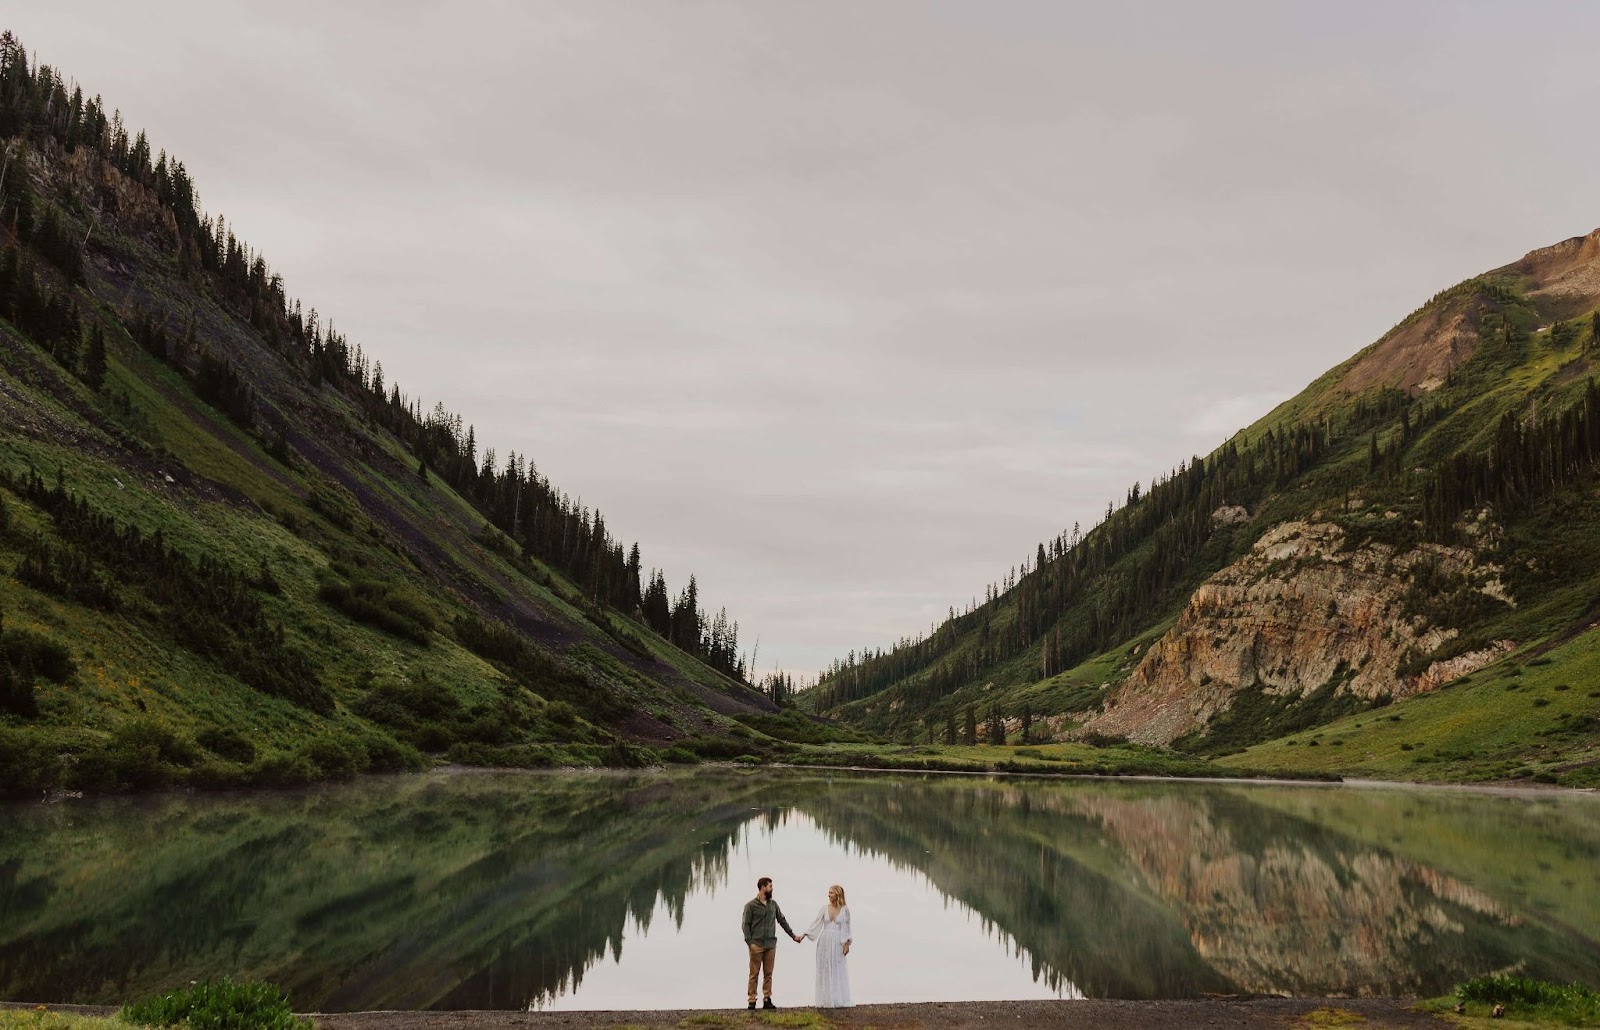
(583,891)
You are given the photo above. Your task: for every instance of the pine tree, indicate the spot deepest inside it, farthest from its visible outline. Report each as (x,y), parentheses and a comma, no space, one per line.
(995,731)
(971,735)
(94,359)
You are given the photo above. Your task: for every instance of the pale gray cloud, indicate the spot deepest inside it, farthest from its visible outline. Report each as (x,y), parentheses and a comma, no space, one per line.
(845,306)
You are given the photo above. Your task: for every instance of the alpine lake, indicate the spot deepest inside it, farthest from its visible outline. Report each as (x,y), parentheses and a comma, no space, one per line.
(462,889)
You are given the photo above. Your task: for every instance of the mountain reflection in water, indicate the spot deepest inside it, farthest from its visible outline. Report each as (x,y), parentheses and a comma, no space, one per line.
(509,890)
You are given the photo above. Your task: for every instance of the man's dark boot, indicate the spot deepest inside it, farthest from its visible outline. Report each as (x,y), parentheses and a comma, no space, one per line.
(768,1004)
(752,1004)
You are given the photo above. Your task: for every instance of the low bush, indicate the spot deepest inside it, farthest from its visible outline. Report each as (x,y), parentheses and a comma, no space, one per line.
(798,728)
(714,749)
(17,694)
(226,742)
(27,764)
(1573,1004)
(279,769)
(385,754)
(337,758)
(25,650)
(392,608)
(520,756)
(141,753)
(627,756)
(219,1005)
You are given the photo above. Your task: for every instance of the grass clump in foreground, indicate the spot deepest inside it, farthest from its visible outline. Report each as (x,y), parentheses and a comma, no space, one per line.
(218,1005)
(1539,1002)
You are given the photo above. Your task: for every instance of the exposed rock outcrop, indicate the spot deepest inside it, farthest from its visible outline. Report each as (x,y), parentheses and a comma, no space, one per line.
(1418,353)
(1300,611)
(1569,270)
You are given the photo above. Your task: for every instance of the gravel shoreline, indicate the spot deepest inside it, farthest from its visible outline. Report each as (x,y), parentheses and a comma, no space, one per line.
(1244,1012)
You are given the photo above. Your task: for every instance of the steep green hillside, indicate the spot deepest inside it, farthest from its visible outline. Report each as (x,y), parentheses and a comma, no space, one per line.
(231,551)
(1416,513)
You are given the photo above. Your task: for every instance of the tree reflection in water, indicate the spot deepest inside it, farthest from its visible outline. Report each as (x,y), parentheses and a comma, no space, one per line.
(484,890)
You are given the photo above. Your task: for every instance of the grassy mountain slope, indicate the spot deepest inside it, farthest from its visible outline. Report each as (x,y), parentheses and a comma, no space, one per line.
(228,553)
(1417,513)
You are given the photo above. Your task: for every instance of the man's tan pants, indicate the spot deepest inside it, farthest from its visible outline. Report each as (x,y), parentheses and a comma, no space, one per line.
(761,959)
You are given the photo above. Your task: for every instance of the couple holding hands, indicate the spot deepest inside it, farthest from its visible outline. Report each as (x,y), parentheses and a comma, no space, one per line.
(831,931)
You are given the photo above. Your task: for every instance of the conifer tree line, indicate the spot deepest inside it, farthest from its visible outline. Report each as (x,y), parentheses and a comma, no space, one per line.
(1085,593)
(1528,460)
(1164,528)
(206,605)
(42,112)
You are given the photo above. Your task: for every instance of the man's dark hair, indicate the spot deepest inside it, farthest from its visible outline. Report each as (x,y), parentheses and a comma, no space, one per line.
(763,882)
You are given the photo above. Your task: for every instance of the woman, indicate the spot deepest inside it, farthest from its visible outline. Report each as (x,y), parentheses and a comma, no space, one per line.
(831,931)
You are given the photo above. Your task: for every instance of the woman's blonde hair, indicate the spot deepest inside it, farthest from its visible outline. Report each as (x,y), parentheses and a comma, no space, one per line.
(836,892)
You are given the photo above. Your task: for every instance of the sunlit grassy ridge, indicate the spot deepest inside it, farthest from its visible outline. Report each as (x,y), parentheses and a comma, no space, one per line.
(1535,718)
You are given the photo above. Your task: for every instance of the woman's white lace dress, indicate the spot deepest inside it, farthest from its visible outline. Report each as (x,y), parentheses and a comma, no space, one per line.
(833,975)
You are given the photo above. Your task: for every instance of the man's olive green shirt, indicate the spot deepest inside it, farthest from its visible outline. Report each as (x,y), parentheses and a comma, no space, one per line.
(761,922)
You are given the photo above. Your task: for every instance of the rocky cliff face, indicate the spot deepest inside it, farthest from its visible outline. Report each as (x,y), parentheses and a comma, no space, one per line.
(1300,611)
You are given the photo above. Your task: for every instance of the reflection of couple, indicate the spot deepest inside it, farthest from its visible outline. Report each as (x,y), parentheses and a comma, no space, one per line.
(831,931)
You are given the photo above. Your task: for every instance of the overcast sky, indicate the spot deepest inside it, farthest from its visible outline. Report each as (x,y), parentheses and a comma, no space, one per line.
(845,306)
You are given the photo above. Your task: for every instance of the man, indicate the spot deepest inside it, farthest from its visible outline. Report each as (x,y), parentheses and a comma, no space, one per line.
(762,917)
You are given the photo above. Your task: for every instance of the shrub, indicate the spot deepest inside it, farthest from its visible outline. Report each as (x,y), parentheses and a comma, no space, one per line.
(626,756)
(385,754)
(219,1005)
(713,748)
(282,770)
(144,752)
(522,756)
(27,764)
(17,695)
(23,649)
(226,742)
(336,504)
(210,774)
(386,606)
(1574,1004)
(417,710)
(336,757)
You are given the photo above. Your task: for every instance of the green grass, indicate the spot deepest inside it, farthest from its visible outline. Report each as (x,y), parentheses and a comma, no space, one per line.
(1058,759)
(1508,721)
(1523,1002)
(44,1018)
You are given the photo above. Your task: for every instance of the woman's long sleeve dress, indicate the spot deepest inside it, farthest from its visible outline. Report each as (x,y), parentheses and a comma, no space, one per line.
(833,975)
